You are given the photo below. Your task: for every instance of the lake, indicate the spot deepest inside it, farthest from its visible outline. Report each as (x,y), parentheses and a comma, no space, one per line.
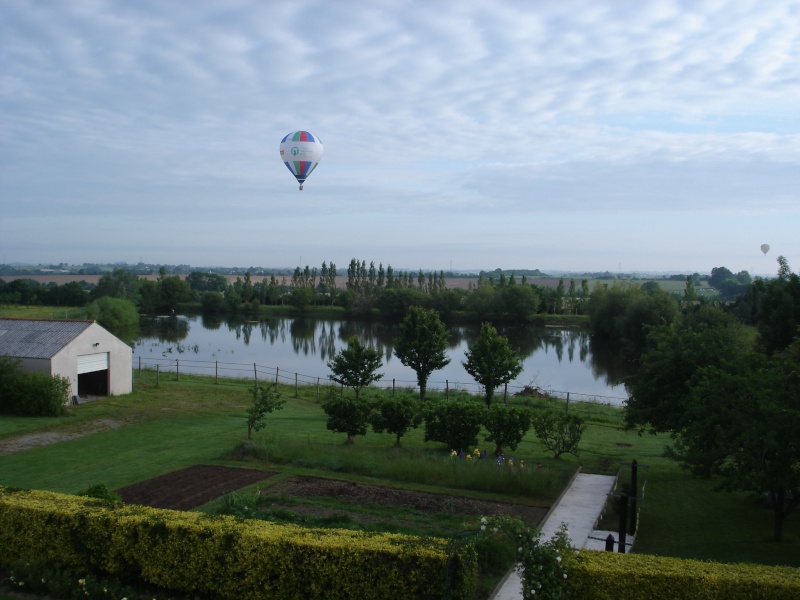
(555,360)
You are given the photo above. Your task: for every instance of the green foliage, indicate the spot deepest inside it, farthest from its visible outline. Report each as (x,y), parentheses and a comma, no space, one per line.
(117,315)
(659,391)
(348,415)
(559,432)
(506,426)
(356,366)
(491,361)
(212,302)
(623,314)
(745,414)
(543,566)
(396,416)
(266,399)
(454,423)
(120,283)
(101,492)
(31,394)
(421,344)
(301,297)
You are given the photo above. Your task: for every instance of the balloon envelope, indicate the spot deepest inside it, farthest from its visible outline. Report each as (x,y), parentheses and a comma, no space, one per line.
(301,152)
(765,248)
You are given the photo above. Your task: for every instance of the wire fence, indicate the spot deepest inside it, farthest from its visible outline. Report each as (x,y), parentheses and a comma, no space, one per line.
(262,373)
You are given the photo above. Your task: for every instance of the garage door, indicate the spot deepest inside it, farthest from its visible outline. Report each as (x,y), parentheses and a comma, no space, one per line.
(89,363)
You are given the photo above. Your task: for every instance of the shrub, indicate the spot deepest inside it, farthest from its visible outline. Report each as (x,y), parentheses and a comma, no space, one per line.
(453,423)
(31,394)
(506,426)
(560,433)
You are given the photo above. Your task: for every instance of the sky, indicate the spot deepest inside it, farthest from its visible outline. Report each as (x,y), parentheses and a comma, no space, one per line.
(568,135)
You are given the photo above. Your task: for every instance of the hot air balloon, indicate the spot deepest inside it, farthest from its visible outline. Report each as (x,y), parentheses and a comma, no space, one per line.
(765,248)
(301,152)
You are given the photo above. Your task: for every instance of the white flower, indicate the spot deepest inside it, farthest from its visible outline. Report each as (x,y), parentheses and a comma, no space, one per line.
(484,521)
(565,575)
(483,527)
(494,529)
(519,549)
(558,559)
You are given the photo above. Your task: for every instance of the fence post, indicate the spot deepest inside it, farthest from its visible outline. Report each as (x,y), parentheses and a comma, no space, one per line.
(255,374)
(567,402)
(216,371)
(610,543)
(317,389)
(505,394)
(140,366)
(296,391)
(177,371)
(623,522)
(277,370)
(447,389)
(392,387)
(634,493)
(158,372)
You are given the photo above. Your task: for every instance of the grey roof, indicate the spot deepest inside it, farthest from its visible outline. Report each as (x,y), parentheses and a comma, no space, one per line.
(34,338)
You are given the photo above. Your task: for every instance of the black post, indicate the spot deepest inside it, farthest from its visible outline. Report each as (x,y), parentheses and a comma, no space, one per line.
(634,493)
(623,522)
(610,543)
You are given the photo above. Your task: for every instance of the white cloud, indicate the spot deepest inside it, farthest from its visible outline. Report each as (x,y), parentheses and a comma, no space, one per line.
(427,111)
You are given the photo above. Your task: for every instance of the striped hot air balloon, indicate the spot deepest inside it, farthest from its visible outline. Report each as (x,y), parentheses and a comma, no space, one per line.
(301,152)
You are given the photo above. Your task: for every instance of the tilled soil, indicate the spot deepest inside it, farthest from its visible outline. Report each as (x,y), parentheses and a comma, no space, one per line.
(189,488)
(192,487)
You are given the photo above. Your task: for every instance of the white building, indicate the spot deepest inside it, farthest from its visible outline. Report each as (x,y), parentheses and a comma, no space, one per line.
(96,362)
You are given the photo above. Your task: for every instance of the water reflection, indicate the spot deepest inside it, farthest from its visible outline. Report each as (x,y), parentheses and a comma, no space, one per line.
(554,359)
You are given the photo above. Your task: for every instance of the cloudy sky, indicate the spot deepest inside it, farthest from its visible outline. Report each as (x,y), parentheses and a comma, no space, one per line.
(561,135)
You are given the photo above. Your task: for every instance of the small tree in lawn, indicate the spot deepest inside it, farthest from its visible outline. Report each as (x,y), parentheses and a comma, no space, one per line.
(265,400)
(396,415)
(348,415)
(506,426)
(356,366)
(454,423)
(491,361)
(560,433)
(422,345)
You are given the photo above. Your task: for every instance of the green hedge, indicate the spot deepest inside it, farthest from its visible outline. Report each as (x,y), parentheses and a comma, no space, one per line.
(614,576)
(227,557)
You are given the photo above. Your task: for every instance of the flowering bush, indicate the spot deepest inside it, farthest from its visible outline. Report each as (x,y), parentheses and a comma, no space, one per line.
(543,565)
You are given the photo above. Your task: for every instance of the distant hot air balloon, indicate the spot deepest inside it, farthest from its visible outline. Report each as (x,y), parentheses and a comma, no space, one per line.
(301,152)
(765,248)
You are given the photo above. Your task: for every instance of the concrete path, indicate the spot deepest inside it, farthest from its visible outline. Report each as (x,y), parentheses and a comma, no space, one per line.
(579,507)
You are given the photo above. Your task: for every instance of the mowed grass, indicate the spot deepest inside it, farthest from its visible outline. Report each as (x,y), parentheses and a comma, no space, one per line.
(175,424)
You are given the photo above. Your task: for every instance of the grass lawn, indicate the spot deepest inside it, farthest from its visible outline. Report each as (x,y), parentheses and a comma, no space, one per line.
(176,424)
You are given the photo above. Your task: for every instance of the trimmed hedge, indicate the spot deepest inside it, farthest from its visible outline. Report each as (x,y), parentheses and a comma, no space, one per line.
(614,576)
(227,557)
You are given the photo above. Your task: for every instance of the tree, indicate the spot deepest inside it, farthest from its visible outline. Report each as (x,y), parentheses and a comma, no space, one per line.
(506,426)
(115,314)
(118,284)
(348,415)
(396,415)
(266,399)
(750,407)
(355,366)
(422,345)
(660,389)
(491,361)
(453,423)
(560,433)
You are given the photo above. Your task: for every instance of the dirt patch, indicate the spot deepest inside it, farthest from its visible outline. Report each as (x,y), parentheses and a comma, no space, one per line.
(364,494)
(34,440)
(189,488)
